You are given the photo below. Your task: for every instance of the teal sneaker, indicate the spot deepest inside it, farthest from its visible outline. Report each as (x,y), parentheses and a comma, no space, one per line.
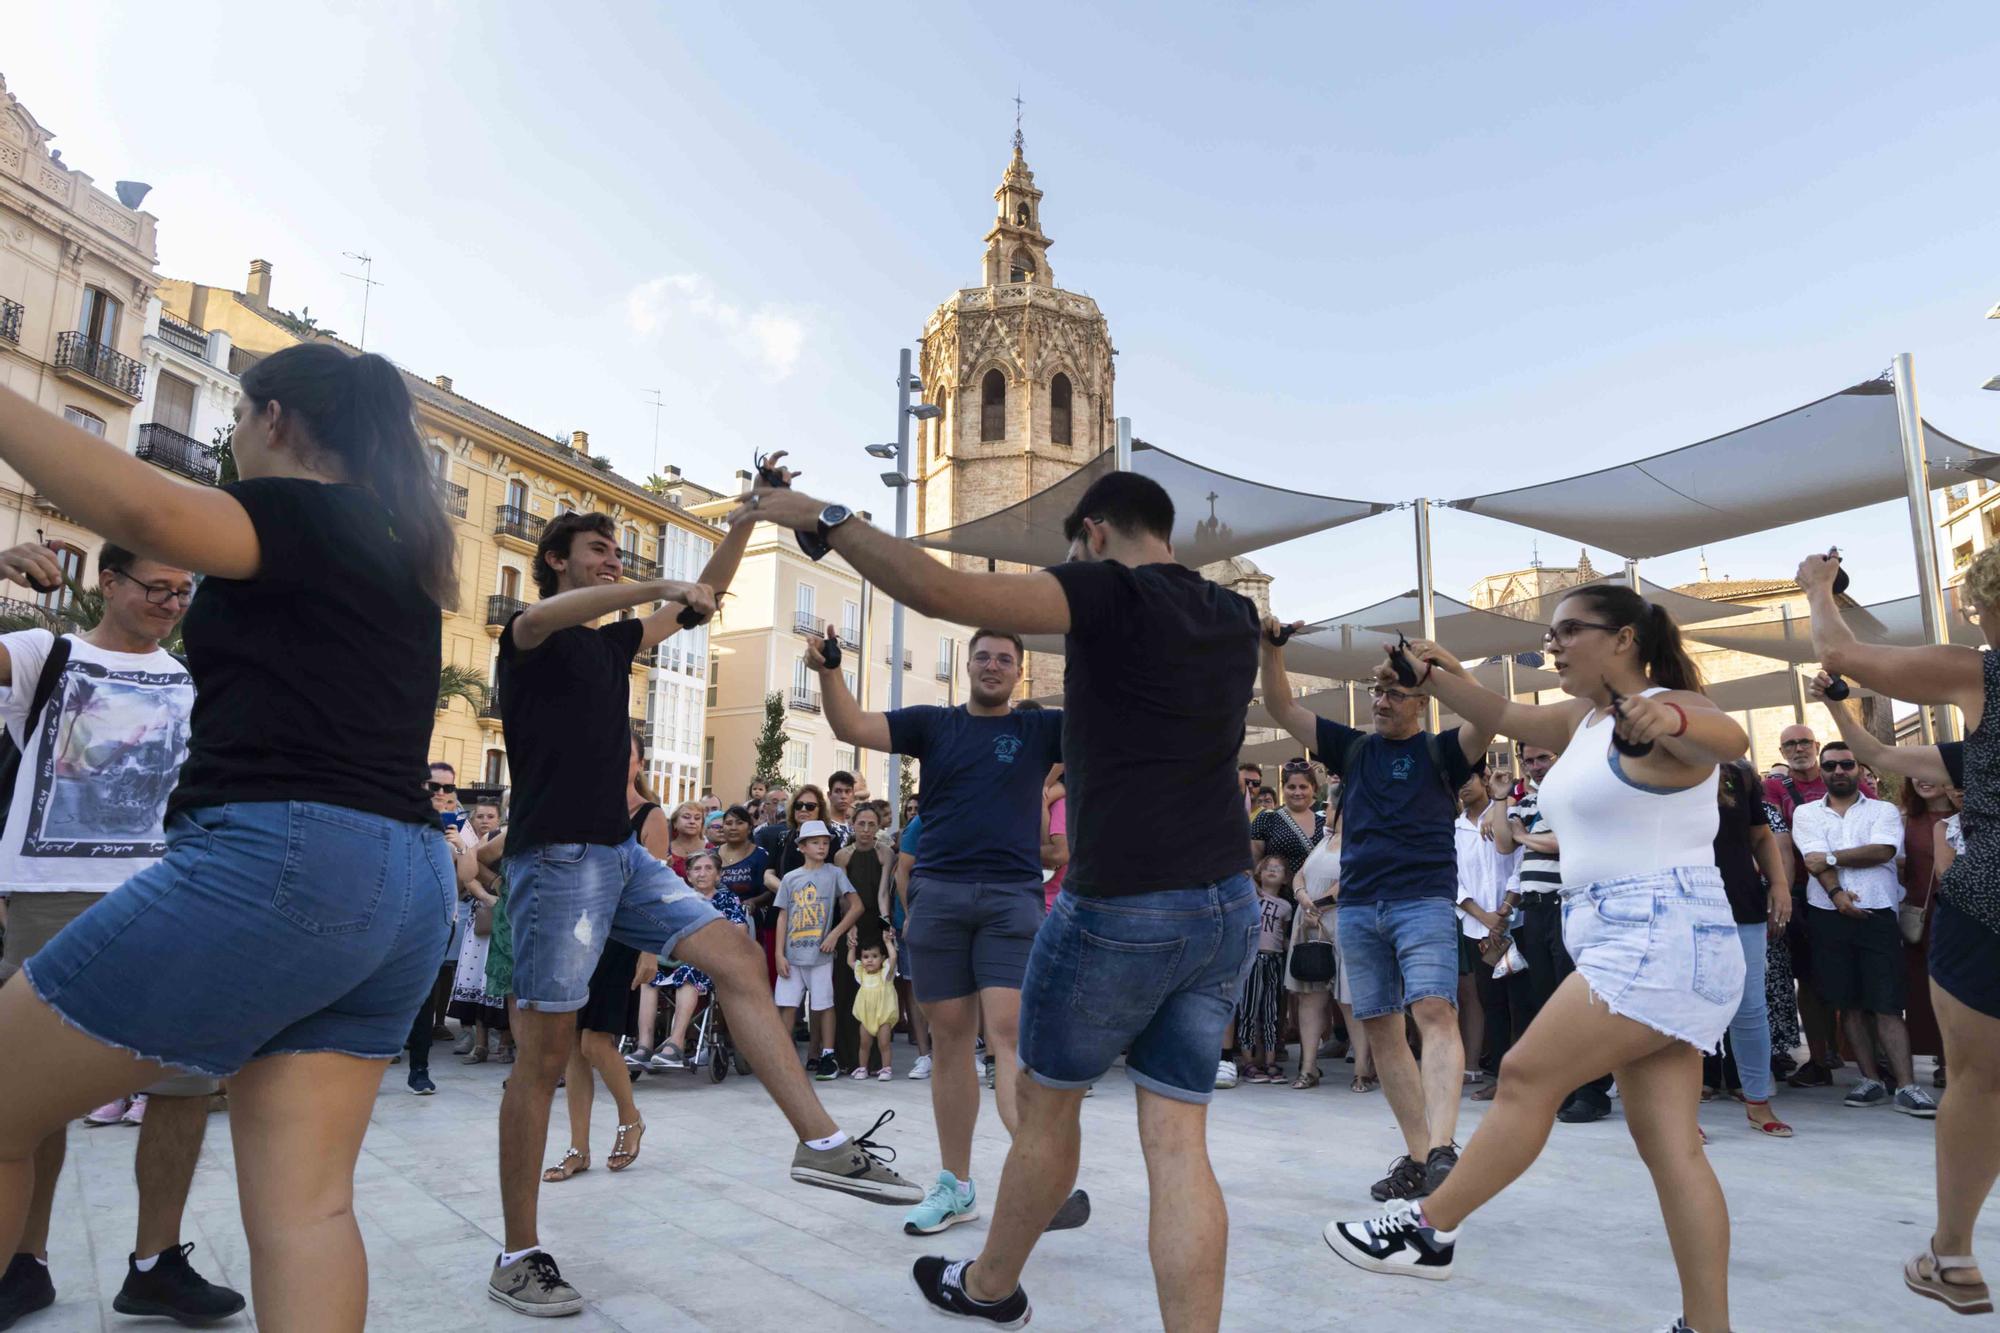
(946,1205)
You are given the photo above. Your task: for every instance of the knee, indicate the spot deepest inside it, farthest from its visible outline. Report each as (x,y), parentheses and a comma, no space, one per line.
(1523,1078)
(1434,1015)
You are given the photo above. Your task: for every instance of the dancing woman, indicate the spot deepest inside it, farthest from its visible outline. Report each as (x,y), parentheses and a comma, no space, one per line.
(305,897)
(1965,932)
(1659,970)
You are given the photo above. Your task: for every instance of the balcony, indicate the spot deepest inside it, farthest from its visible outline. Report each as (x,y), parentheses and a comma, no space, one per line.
(490,710)
(10,319)
(889,659)
(638,566)
(944,671)
(519,524)
(79,357)
(500,608)
(850,637)
(804,699)
(806,623)
(641,725)
(455,497)
(167,448)
(183,335)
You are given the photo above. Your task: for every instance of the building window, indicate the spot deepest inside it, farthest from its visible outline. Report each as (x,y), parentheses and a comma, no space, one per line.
(1059,410)
(510,582)
(99,319)
(173,403)
(853,687)
(802,608)
(801,678)
(850,622)
(90,421)
(631,540)
(714,679)
(496,768)
(798,763)
(946,654)
(708,763)
(441,462)
(517,496)
(847,759)
(70,560)
(993,406)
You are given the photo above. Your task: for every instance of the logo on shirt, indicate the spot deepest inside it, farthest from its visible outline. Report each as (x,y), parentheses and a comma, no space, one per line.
(1402,767)
(1006,747)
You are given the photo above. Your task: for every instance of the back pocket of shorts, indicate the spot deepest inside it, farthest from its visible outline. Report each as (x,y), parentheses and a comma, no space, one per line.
(1121,985)
(1718,964)
(336,865)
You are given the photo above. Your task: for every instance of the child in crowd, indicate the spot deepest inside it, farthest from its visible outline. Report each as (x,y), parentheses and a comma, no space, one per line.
(1260,1015)
(875,1008)
(805,902)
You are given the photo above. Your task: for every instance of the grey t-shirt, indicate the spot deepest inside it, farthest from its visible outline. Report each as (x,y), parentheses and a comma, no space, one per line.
(812,900)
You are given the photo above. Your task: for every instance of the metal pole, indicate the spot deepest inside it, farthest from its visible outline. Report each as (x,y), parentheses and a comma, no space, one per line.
(1923,534)
(1426,609)
(902,531)
(1122,459)
(1798,681)
(1507,679)
(1632,576)
(1750,730)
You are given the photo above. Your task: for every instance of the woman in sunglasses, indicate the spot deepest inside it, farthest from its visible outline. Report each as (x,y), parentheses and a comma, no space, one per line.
(1659,969)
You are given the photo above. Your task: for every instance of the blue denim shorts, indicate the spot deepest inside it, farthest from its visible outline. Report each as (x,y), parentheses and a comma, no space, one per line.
(1660,949)
(564,899)
(268,928)
(1155,975)
(1398,952)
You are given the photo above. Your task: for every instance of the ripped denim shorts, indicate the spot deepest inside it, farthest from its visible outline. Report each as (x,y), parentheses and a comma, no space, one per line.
(1660,949)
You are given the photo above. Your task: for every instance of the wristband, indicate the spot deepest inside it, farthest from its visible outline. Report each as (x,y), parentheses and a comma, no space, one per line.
(1683,716)
(1428,668)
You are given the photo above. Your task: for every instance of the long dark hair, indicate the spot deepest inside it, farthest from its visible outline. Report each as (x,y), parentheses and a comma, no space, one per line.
(358,410)
(1661,651)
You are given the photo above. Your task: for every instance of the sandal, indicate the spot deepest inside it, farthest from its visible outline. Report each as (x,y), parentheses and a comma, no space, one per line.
(1775,1127)
(1257,1075)
(619,1150)
(1485,1092)
(1365,1083)
(562,1170)
(1925,1276)
(475,1056)
(1308,1078)
(1276,1073)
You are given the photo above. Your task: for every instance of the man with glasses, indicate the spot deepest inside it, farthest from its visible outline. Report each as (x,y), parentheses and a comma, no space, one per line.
(101,723)
(1252,778)
(1851,844)
(1398,919)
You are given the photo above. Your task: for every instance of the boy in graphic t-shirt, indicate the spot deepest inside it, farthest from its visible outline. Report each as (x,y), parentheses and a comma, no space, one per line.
(807,898)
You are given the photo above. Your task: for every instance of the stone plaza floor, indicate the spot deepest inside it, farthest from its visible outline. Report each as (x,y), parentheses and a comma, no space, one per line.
(707,1232)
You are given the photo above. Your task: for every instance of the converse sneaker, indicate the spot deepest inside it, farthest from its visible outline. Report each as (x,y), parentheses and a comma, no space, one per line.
(826,1069)
(1866,1093)
(1913,1100)
(1226,1075)
(25,1287)
(1404,1181)
(1398,1242)
(942,1282)
(171,1289)
(533,1285)
(922,1068)
(856,1167)
(948,1202)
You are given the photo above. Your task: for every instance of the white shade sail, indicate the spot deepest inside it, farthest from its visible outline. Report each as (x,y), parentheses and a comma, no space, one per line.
(1899,622)
(1839,453)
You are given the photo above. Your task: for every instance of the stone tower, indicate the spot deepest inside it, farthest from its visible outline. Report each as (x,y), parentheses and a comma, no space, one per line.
(1022,369)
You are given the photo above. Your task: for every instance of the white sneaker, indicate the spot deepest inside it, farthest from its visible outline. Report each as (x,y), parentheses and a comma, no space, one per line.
(1226,1074)
(922,1068)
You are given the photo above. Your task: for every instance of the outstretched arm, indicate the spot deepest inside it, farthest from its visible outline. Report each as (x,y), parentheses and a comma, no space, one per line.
(1285,710)
(1933,674)
(1549,726)
(850,722)
(1910,761)
(715,576)
(580,606)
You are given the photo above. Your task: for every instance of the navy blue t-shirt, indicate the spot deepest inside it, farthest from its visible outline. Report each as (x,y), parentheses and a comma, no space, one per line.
(1397,814)
(982,788)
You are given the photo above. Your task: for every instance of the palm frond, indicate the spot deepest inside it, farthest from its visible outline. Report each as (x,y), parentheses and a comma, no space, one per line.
(456,682)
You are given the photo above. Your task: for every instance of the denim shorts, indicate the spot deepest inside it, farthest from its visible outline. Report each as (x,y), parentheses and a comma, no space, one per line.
(564,899)
(1398,952)
(1660,949)
(964,937)
(1155,975)
(268,928)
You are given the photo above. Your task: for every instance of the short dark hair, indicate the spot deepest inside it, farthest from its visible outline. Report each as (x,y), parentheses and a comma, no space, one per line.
(111,556)
(840,777)
(559,537)
(490,802)
(1020,648)
(436,764)
(1835,745)
(1247,767)
(1136,506)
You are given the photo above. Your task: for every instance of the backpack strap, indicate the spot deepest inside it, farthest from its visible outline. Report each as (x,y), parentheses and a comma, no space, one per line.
(45,686)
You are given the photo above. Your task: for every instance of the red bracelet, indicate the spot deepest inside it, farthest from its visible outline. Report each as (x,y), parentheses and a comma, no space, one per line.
(1684,717)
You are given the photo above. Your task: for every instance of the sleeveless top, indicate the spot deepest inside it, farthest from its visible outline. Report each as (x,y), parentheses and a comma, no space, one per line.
(1613,827)
(1282,837)
(639,818)
(1972,885)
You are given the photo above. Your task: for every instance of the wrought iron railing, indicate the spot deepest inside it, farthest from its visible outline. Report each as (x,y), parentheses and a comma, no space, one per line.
(806,623)
(455,497)
(500,608)
(179,333)
(165,447)
(10,319)
(638,566)
(804,699)
(101,362)
(511,522)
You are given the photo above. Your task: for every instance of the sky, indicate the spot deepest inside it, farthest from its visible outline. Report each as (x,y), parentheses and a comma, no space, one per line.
(1372,251)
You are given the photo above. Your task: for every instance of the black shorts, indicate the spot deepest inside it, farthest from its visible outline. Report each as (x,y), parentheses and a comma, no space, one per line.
(613,1005)
(1858,961)
(1965,959)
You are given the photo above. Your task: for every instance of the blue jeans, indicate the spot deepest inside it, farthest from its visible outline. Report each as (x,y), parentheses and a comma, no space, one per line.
(1398,952)
(564,899)
(1155,975)
(268,928)
(1750,1030)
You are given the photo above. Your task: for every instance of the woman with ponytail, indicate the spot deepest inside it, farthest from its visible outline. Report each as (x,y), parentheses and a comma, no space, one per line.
(305,894)
(1659,967)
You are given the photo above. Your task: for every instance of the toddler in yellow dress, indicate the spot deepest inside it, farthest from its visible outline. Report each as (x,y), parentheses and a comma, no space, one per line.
(875,1007)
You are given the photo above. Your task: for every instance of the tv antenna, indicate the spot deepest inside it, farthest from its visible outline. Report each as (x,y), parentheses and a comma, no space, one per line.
(366,277)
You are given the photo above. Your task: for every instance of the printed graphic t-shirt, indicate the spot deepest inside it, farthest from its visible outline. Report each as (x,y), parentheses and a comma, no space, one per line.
(96,772)
(1399,811)
(812,897)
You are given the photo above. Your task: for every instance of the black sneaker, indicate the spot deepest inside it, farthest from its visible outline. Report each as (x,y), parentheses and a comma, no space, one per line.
(1811,1074)
(1398,1242)
(1404,1181)
(173,1290)
(1074,1212)
(25,1288)
(1438,1165)
(420,1083)
(1584,1110)
(826,1068)
(942,1281)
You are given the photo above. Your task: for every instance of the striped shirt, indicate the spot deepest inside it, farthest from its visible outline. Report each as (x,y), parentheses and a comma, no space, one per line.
(1541,872)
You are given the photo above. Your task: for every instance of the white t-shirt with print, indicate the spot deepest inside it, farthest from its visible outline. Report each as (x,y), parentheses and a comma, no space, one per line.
(97,769)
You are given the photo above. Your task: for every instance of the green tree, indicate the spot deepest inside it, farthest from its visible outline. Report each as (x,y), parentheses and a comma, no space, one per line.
(225,453)
(456,682)
(302,325)
(771,741)
(657,484)
(907,780)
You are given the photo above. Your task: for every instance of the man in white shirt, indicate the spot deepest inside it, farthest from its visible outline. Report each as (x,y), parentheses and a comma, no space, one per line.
(1850,843)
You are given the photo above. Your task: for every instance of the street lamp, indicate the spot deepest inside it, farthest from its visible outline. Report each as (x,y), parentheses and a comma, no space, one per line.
(907,383)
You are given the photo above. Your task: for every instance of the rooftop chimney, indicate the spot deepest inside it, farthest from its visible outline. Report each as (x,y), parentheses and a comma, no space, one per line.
(443,382)
(673,472)
(258,286)
(579,440)
(743,479)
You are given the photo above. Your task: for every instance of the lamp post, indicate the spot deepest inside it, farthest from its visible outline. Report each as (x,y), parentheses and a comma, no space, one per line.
(899,481)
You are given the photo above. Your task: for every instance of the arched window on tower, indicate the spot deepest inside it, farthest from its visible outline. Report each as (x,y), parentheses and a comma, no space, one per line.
(1023,267)
(993,406)
(1059,410)
(1021,215)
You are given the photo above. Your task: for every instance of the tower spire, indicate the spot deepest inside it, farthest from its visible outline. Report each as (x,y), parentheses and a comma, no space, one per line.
(1017,120)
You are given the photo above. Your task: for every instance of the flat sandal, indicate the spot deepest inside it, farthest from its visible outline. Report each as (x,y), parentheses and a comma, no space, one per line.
(1925,1275)
(618,1147)
(562,1170)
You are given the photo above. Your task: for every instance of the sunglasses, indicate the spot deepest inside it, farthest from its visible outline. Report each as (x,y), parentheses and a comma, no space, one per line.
(450,787)
(807,805)
(1839,765)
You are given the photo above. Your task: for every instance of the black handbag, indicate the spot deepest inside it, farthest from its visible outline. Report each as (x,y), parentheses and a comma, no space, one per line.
(1312,962)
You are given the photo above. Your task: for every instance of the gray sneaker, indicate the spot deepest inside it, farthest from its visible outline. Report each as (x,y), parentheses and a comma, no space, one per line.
(856,1167)
(532,1285)
(1913,1100)
(1866,1093)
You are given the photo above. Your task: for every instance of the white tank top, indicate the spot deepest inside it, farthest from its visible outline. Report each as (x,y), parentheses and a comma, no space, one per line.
(1610,827)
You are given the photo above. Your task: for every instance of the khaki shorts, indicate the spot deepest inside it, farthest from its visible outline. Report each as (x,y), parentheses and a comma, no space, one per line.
(33,919)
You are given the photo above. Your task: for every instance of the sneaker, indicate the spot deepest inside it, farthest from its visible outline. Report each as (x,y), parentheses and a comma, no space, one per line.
(533,1285)
(420,1083)
(942,1282)
(1913,1100)
(173,1290)
(885,1074)
(26,1286)
(135,1114)
(639,1057)
(1226,1074)
(1438,1165)
(1680,1325)
(922,1068)
(855,1167)
(861,1072)
(1811,1074)
(1075,1211)
(1398,1242)
(111,1113)
(992,1071)
(464,1042)
(1866,1093)
(1404,1181)
(826,1068)
(979,1066)
(1585,1109)
(947,1203)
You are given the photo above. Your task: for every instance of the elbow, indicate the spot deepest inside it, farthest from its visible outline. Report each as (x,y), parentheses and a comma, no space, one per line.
(1837,659)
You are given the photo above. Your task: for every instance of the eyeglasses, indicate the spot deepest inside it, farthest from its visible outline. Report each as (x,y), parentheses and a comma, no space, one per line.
(1793,745)
(450,788)
(159,594)
(1398,696)
(1839,765)
(1565,630)
(994,659)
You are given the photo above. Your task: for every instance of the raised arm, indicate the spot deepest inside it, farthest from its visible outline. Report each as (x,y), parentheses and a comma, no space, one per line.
(1285,710)
(850,722)
(715,576)
(1549,726)
(1933,674)
(1910,761)
(580,606)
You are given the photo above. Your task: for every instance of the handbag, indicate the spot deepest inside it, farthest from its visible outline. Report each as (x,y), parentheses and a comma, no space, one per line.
(482,920)
(1910,920)
(1312,961)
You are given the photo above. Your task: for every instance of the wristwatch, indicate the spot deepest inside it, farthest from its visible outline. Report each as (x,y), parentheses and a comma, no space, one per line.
(832,517)
(1833,858)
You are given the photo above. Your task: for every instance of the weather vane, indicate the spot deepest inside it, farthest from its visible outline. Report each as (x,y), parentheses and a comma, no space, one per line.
(1017,119)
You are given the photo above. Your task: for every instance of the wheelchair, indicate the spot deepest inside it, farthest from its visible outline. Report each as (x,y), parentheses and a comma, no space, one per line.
(709,1048)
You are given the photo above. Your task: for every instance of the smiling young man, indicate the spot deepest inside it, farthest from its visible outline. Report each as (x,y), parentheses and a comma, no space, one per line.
(1146,948)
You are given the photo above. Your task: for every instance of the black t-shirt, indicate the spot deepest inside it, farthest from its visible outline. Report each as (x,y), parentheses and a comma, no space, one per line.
(1397,812)
(983,781)
(1158,668)
(1749,896)
(317,679)
(564,708)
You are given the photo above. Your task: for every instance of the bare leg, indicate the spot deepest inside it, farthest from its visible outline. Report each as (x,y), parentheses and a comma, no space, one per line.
(164,1162)
(1662,1093)
(600,1051)
(649,1015)
(1968,1124)
(1892,1037)
(49,1156)
(883,1038)
(1443,1068)
(1471,1021)
(297,1123)
(1402,1083)
(684,1002)
(1357,1041)
(543,1044)
(920,1028)
(1854,1025)
(1312,1028)
(1000,1010)
(1038,1177)
(954,1090)
(1187,1231)
(577,1096)
(736,966)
